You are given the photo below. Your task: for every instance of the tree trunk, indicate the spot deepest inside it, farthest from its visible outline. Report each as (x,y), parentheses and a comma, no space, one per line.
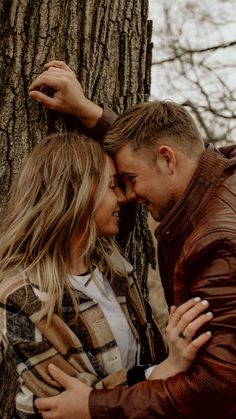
(107,44)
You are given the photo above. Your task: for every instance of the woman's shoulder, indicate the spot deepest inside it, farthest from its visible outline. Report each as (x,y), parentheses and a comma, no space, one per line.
(10,282)
(121,263)
(15,290)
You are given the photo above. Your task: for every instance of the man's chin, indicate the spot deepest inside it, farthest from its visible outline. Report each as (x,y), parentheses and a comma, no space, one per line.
(157,216)
(160,214)
(154,215)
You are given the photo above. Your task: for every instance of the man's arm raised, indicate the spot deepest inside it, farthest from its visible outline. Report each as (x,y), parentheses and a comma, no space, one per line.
(66,93)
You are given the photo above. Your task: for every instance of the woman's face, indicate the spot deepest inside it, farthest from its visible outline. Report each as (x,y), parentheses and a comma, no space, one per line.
(108,213)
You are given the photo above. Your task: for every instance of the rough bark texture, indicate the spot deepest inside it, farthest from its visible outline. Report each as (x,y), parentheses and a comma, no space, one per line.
(107,44)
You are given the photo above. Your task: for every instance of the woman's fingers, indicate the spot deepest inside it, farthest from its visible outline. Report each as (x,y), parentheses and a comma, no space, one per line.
(193,346)
(178,312)
(191,328)
(187,319)
(187,312)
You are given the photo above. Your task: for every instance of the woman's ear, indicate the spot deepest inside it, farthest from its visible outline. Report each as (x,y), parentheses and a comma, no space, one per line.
(168,158)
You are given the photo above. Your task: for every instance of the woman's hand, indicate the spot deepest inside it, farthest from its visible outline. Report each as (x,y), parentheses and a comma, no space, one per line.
(71,403)
(183,346)
(59,90)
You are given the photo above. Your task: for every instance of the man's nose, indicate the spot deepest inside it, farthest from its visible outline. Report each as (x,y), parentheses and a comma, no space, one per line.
(130,194)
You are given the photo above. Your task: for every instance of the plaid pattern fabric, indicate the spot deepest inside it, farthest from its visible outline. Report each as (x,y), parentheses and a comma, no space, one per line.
(82,349)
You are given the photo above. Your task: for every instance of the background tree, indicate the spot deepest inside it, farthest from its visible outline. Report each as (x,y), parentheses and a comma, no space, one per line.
(107,44)
(195,62)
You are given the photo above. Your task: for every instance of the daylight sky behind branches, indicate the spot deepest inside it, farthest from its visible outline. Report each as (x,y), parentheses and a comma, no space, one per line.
(225,31)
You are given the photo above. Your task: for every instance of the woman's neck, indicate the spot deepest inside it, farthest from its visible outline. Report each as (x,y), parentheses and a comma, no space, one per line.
(78,266)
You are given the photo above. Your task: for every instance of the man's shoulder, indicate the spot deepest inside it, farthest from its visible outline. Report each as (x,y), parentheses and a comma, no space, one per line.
(216,229)
(228,151)
(216,217)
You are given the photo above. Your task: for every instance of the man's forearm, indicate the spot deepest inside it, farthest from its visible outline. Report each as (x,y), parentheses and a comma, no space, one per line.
(197,393)
(59,90)
(99,130)
(89,114)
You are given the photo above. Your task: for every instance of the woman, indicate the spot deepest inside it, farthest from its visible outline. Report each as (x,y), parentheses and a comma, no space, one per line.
(67,295)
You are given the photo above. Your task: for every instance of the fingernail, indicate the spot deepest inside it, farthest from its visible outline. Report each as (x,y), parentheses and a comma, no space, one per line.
(208,333)
(209,313)
(205,302)
(197,299)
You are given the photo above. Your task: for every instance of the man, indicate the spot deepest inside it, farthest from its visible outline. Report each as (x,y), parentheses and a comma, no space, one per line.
(192,191)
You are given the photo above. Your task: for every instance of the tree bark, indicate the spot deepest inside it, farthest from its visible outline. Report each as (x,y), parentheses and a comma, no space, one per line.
(108,45)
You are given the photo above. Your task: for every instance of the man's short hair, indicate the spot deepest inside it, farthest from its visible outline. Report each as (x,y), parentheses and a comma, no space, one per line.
(152,123)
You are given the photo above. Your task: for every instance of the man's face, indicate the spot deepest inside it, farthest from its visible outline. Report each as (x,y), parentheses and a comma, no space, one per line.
(148,181)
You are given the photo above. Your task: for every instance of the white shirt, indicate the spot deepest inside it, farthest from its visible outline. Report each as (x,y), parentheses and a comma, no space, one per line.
(101,292)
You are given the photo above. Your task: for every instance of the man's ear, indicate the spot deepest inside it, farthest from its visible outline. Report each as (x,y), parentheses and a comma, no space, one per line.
(168,157)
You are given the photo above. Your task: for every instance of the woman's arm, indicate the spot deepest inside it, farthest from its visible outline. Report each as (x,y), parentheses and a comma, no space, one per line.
(32,346)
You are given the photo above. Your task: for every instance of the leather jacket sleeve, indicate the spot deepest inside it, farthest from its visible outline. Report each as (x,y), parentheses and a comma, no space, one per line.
(208,388)
(158,399)
(99,131)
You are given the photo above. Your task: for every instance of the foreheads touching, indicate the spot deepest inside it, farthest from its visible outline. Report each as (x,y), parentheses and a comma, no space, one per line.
(153,124)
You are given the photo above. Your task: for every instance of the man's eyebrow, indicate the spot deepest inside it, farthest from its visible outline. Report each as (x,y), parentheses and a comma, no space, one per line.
(121,175)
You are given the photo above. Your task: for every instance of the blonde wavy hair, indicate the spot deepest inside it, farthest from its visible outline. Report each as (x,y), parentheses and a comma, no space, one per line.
(62,183)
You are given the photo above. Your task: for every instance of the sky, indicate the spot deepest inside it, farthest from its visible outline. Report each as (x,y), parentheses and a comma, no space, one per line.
(226,30)
(208,80)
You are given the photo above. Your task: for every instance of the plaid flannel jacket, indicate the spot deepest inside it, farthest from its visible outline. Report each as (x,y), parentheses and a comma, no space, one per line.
(81,349)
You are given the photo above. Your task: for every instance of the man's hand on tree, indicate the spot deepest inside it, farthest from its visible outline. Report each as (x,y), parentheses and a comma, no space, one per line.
(59,90)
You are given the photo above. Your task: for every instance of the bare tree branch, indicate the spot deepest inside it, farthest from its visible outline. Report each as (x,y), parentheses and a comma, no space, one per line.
(195,61)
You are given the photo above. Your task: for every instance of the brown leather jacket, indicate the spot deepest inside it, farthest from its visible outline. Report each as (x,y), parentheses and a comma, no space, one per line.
(197,257)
